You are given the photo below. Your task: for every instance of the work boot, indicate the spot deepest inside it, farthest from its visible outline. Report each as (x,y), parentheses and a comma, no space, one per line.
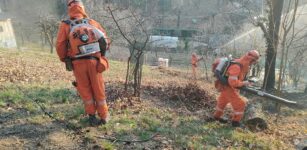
(93,120)
(221,120)
(236,124)
(102,122)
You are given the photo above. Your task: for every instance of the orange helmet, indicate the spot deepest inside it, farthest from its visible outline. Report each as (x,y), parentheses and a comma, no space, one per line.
(253,55)
(76,9)
(70,3)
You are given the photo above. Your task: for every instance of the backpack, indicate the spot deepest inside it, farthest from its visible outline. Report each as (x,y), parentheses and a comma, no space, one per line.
(220,68)
(85,39)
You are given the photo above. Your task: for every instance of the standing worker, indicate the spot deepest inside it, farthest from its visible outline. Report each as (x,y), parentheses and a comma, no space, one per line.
(81,44)
(230,93)
(195,59)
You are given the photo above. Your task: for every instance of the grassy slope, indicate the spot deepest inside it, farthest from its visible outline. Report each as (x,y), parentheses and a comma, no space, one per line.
(28,76)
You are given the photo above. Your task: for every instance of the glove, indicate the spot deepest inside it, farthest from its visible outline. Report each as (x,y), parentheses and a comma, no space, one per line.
(247,83)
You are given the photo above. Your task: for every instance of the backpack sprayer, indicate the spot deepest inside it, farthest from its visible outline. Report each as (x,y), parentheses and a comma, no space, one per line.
(220,71)
(267,95)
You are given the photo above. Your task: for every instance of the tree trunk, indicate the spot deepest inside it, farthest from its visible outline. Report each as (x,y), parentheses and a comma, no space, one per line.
(135,77)
(281,66)
(127,73)
(50,41)
(272,43)
(269,77)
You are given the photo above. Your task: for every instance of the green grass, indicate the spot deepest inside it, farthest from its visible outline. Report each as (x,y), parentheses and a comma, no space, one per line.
(185,131)
(39,120)
(31,107)
(11,95)
(2,103)
(150,123)
(107,145)
(75,113)
(22,94)
(117,70)
(190,131)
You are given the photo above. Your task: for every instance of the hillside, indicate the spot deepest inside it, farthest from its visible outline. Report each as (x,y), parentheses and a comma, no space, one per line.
(40,109)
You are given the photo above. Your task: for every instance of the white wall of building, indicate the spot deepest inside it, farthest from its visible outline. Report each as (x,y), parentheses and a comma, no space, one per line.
(7,36)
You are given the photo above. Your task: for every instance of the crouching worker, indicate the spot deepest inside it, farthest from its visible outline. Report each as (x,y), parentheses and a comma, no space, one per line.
(229,81)
(81,44)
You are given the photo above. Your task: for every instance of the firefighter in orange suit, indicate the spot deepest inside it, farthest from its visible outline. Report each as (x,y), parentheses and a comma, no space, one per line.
(84,42)
(194,62)
(230,94)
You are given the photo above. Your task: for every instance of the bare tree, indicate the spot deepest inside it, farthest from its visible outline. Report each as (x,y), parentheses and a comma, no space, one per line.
(296,66)
(48,27)
(287,25)
(293,37)
(137,39)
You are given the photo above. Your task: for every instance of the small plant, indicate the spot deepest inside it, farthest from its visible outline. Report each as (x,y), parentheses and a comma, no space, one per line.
(107,145)
(76,113)
(149,123)
(144,135)
(30,107)
(89,139)
(2,104)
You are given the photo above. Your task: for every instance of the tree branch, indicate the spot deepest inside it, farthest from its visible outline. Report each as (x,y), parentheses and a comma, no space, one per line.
(119,28)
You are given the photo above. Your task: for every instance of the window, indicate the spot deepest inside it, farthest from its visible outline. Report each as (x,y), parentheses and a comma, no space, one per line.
(1,29)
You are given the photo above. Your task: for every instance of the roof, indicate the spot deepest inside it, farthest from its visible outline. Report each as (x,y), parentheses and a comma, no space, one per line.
(178,32)
(163,41)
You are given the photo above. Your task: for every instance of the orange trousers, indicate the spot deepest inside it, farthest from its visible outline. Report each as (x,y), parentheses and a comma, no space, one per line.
(90,85)
(232,96)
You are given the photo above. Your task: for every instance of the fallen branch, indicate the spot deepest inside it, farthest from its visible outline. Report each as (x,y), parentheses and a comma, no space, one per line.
(114,139)
(43,109)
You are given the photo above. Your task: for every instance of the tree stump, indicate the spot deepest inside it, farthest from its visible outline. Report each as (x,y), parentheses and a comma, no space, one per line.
(254,117)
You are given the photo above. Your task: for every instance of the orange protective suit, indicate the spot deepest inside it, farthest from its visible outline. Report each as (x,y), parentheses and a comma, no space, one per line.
(194,62)
(88,72)
(230,93)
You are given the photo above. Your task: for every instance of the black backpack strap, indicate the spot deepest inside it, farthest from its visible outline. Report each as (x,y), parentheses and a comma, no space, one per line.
(67,21)
(232,62)
(85,57)
(237,63)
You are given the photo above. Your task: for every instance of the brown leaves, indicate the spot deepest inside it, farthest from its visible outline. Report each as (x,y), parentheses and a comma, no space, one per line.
(191,95)
(117,98)
(40,68)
